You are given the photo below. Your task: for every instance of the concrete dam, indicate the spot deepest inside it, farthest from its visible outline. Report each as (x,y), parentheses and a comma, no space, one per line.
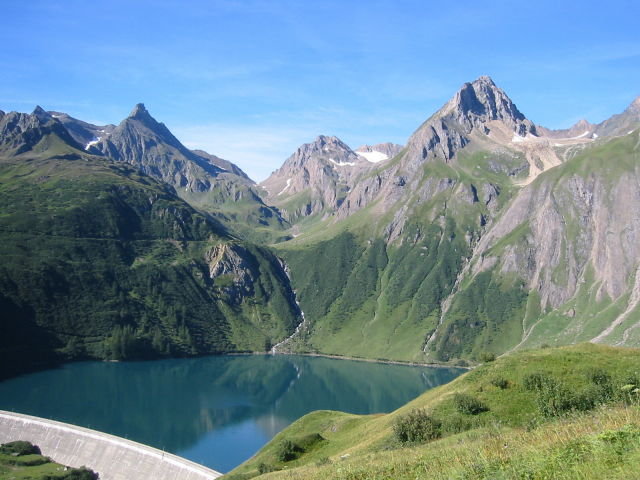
(112,457)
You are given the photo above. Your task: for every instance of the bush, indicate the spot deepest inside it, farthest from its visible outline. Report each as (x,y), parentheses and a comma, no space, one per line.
(468,404)
(599,377)
(417,426)
(19,448)
(535,382)
(486,357)
(288,451)
(81,473)
(265,468)
(500,382)
(554,398)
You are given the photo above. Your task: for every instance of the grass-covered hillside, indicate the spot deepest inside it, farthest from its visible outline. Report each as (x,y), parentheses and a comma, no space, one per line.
(101,261)
(469,262)
(370,288)
(553,413)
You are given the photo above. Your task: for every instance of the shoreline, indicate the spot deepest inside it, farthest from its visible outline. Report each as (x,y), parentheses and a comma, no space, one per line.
(356,359)
(60,363)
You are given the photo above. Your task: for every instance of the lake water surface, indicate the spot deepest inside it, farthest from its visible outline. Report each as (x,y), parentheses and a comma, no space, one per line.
(217,411)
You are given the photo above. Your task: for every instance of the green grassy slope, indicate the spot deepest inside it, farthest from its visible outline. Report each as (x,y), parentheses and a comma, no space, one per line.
(101,261)
(552,413)
(366,297)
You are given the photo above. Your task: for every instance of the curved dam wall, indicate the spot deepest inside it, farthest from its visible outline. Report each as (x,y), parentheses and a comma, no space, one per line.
(112,457)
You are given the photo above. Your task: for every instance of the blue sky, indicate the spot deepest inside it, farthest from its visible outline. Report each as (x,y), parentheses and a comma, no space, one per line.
(251,80)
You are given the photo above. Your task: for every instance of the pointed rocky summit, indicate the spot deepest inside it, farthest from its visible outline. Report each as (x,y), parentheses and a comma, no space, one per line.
(471,109)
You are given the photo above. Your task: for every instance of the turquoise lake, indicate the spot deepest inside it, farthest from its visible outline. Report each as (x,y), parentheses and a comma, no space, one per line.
(217,411)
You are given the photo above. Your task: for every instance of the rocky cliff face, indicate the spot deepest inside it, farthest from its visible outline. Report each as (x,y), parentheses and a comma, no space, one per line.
(215,185)
(622,123)
(142,141)
(577,239)
(86,134)
(472,109)
(315,179)
(21,132)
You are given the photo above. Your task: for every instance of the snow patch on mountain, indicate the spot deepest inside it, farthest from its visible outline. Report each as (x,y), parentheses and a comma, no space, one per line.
(286,187)
(92,143)
(374,156)
(343,164)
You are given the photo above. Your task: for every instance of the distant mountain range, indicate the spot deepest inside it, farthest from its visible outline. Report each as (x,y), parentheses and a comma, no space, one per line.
(484,233)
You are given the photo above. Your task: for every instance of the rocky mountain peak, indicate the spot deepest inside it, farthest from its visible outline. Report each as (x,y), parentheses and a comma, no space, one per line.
(481,101)
(139,111)
(635,105)
(473,108)
(323,142)
(41,114)
(582,124)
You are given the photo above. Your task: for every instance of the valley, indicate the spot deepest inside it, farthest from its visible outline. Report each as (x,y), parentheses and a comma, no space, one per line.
(484,234)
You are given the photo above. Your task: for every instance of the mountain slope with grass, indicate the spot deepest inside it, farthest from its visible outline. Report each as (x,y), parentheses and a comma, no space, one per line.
(101,261)
(483,234)
(571,412)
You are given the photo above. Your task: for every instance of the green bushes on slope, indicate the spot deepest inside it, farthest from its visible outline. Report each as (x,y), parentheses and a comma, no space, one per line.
(534,428)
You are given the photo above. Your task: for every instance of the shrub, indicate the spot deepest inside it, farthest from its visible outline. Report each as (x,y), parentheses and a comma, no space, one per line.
(468,404)
(486,357)
(536,381)
(265,468)
(417,426)
(19,448)
(554,398)
(599,377)
(288,451)
(500,382)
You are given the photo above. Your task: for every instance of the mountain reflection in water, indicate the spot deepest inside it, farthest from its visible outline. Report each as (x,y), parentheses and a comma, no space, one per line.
(217,411)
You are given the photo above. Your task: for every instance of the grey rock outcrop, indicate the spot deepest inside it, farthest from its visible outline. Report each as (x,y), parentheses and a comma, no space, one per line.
(321,171)
(22,132)
(142,141)
(472,108)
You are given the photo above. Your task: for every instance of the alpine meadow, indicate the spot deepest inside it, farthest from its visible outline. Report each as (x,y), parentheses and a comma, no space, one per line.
(486,262)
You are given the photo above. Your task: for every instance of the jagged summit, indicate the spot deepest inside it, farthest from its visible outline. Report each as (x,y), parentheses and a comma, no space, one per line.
(477,107)
(141,113)
(325,142)
(481,101)
(41,114)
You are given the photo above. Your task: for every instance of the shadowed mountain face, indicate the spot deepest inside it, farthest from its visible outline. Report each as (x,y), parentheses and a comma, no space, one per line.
(99,260)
